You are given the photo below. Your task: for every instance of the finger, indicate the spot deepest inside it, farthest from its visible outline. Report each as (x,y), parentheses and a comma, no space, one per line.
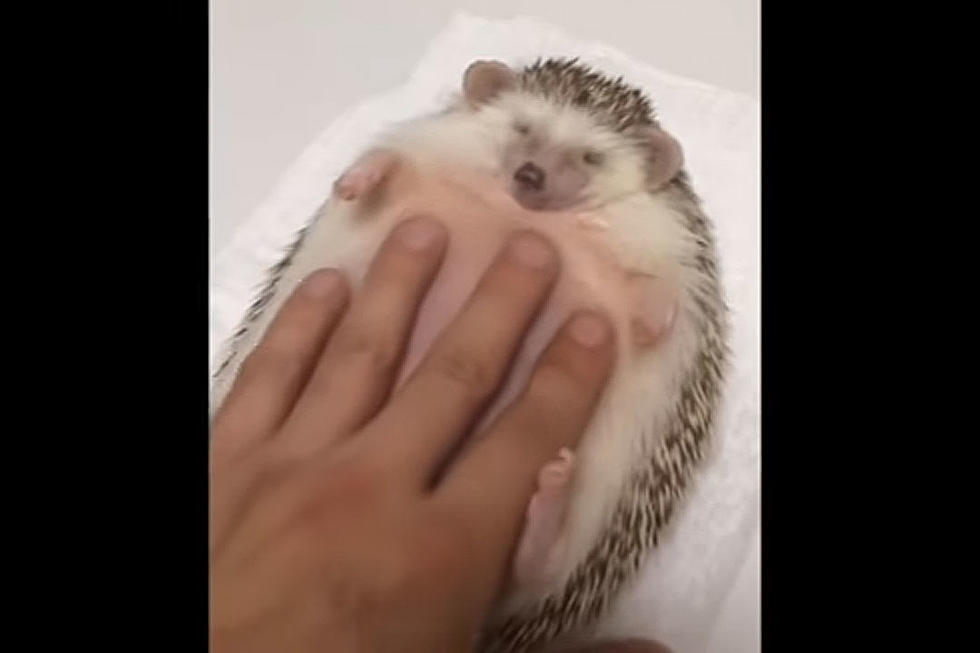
(271,377)
(355,374)
(551,413)
(467,363)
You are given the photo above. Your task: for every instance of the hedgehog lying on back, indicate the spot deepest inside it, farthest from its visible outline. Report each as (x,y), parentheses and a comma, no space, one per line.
(579,157)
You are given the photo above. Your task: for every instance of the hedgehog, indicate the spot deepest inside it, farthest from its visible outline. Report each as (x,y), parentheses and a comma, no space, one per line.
(582,157)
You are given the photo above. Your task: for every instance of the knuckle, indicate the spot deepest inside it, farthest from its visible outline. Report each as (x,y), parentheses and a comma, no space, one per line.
(350,491)
(356,480)
(447,543)
(368,348)
(357,488)
(468,372)
(553,385)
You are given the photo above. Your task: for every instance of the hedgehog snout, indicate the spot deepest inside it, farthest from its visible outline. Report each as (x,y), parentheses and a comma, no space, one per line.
(530,176)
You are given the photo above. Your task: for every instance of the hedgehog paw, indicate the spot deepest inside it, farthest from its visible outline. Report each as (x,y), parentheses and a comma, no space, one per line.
(544,519)
(654,302)
(365,175)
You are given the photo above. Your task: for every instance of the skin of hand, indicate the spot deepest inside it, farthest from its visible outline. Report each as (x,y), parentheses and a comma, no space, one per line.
(339,519)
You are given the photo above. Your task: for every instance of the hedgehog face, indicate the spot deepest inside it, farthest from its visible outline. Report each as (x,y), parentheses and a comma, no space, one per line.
(557,158)
(556,155)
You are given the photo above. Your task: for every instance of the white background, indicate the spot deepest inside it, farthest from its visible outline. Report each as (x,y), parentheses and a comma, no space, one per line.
(281,70)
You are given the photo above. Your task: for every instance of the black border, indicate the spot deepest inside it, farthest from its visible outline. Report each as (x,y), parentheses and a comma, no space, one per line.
(112,403)
(116,437)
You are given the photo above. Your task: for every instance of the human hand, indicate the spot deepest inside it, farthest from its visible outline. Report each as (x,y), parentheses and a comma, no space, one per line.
(335,521)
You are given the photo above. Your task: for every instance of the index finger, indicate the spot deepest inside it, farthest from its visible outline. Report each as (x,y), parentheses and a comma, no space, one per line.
(492,483)
(464,368)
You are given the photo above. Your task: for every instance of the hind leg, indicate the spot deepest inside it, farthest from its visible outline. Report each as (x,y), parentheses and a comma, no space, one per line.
(654,301)
(544,519)
(365,175)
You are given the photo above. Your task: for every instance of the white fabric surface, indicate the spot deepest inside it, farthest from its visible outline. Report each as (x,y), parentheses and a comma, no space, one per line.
(683,588)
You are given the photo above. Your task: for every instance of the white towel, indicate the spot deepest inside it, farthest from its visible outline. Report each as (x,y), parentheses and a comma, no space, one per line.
(680,594)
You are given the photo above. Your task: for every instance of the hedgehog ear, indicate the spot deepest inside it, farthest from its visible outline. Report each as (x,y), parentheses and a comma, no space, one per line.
(664,157)
(484,80)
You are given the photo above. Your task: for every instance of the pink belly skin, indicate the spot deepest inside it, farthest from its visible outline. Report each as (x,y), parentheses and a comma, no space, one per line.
(480,217)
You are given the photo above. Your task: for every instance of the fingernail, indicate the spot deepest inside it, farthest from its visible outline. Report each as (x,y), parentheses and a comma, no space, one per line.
(420,233)
(589,330)
(532,251)
(321,284)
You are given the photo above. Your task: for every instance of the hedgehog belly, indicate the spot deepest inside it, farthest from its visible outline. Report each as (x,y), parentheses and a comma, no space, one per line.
(590,278)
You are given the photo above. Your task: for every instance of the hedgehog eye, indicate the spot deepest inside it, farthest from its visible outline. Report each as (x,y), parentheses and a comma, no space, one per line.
(592,157)
(522,128)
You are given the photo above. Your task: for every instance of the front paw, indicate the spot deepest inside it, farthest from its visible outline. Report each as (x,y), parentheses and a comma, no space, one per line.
(364,176)
(355,183)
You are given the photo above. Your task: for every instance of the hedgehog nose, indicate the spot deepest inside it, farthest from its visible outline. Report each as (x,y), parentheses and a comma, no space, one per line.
(530,176)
